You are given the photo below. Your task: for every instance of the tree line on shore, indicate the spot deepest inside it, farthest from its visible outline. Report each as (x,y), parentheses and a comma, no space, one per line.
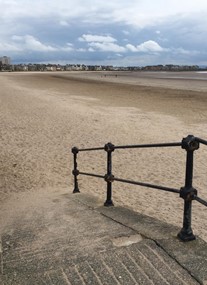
(82,67)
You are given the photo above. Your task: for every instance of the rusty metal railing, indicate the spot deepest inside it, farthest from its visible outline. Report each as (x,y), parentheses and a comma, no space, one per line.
(188,193)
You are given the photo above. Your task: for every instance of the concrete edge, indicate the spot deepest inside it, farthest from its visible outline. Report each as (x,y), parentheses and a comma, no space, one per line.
(145,225)
(192,256)
(1,257)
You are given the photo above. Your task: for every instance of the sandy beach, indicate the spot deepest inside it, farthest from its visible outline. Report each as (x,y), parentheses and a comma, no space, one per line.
(43,115)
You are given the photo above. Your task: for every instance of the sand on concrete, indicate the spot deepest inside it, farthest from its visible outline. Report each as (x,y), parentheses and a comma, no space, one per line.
(43,115)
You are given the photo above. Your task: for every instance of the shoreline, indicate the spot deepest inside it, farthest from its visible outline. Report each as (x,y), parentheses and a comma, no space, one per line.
(183,80)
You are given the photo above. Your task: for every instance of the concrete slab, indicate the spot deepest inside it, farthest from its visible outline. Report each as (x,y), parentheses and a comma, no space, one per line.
(191,255)
(74,240)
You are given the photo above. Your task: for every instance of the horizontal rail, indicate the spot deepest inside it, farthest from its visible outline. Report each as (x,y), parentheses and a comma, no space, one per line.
(91,149)
(91,174)
(148,185)
(200,200)
(201,141)
(149,145)
(174,144)
(134,182)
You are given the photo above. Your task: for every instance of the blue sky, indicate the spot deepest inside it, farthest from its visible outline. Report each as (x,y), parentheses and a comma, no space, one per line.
(115,32)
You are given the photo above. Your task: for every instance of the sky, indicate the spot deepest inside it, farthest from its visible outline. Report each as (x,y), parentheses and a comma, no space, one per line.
(101,32)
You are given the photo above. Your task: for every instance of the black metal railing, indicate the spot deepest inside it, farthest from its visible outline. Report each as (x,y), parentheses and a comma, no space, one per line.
(187,192)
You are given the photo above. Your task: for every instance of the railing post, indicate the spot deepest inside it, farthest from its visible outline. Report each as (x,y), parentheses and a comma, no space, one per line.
(109,148)
(190,144)
(75,171)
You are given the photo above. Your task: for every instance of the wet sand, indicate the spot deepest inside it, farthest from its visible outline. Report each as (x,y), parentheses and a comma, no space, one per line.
(43,115)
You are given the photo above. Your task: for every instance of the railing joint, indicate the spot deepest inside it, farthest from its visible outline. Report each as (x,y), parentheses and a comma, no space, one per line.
(188,193)
(190,143)
(74,150)
(75,172)
(109,178)
(109,147)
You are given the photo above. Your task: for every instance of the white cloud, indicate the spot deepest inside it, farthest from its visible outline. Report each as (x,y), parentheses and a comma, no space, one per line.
(148,46)
(146,13)
(69,44)
(101,43)
(33,44)
(107,47)
(30,43)
(139,13)
(96,38)
(132,48)
(27,42)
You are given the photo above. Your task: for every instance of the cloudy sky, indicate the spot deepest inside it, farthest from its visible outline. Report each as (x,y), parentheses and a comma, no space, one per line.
(115,32)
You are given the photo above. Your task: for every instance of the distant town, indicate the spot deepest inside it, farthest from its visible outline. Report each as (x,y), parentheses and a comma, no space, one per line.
(6,65)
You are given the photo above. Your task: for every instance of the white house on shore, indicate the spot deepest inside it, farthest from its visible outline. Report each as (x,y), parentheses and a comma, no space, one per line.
(5,60)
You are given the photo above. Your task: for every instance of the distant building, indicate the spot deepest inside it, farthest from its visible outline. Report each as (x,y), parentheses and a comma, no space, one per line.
(5,60)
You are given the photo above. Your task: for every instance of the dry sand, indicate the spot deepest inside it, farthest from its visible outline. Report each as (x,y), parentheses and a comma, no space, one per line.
(43,115)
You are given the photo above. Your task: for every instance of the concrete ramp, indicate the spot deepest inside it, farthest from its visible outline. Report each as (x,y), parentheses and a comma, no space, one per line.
(143,263)
(74,241)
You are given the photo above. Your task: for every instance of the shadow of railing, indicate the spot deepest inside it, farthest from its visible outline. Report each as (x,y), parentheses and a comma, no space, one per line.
(187,192)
